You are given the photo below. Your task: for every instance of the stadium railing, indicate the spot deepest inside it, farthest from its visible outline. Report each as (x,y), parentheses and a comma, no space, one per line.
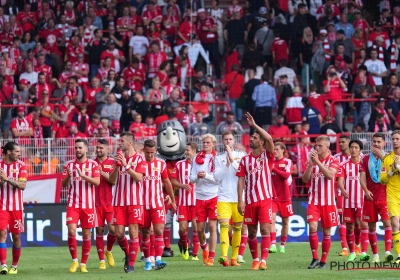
(348,100)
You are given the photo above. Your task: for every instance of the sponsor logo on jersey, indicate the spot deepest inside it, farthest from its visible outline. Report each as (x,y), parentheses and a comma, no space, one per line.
(148,178)
(69,219)
(309,217)
(282,165)
(248,220)
(347,219)
(107,166)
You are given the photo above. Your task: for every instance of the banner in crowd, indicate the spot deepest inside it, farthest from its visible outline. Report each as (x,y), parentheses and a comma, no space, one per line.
(43,189)
(45,226)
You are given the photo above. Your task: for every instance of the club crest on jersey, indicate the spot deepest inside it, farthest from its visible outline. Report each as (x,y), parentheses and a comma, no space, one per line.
(282,165)
(383,169)
(86,169)
(13,170)
(259,159)
(156,169)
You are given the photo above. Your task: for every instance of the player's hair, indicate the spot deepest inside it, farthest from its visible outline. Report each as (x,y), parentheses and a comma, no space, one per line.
(358,142)
(379,135)
(397,131)
(209,135)
(323,138)
(84,141)
(128,135)
(103,141)
(149,143)
(9,146)
(344,137)
(193,146)
(261,138)
(227,133)
(280,145)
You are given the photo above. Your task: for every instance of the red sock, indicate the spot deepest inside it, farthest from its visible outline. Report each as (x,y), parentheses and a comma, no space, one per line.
(388,239)
(273,238)
(243,243)
(86,245)
(357,235)
(364,240)
(326,245)
(72,247)
(158,245)
(211,255)
(3,252)
(283,240)
(111,238)
(140,242)
(133,250)
(373,242)
(196,244)
(124,245)
(183,239)
(152,251)
(16,253)
(265,244)
(350,242)
(146,247)
(342,235)
(204,246)
(100,246)
(167,237)
(313,240)
(253,247)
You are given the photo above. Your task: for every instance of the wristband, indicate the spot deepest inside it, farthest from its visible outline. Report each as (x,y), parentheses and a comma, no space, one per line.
(390,173)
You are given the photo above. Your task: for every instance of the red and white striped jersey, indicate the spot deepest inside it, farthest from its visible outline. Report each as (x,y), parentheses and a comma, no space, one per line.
(127,190)
(11,199)
(341,157)
(181,173)
(256,171)
(322,190)
(350,171)
(153,173)
(81,194)
(81,67)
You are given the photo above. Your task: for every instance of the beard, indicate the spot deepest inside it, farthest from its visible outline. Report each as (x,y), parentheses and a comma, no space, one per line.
(80,156)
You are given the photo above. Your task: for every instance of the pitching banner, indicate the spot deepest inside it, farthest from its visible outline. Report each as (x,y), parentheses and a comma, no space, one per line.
(45,226)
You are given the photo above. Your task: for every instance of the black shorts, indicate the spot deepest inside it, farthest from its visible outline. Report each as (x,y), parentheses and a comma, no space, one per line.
(263,115)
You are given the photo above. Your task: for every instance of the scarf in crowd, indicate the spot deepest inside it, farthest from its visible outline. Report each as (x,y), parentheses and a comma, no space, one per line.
(385,115)
(393,58)
(374,167)
(202,155)
(327,50)
(155,61)
(377,128)
(380,52)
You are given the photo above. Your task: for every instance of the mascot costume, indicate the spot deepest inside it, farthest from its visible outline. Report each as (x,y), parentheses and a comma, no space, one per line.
(171,144)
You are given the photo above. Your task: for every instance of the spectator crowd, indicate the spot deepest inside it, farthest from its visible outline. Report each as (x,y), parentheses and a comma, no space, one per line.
(97,68)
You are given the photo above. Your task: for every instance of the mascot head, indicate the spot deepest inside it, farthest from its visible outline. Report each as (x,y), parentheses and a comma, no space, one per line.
(171,140)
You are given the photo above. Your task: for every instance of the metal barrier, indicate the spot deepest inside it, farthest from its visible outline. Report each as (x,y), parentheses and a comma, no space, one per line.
(50,156)
(348,100)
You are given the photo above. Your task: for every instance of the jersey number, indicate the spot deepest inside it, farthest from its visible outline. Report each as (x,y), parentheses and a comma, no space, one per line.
(160,213)
(289,208)
(17,224)
(136,213)
(333,216)
(90,218)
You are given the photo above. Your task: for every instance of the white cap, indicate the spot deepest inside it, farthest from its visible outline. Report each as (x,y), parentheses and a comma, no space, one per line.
(201,10)
(323,31)
(193,14)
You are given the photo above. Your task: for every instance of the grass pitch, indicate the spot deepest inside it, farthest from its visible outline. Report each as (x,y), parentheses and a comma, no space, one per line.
(54,262)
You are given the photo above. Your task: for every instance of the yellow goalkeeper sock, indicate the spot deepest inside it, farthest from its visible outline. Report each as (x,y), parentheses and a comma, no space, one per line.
(237,236)
(224,238)
(396,241)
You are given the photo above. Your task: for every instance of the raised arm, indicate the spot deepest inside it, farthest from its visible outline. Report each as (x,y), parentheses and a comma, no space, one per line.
(269,144)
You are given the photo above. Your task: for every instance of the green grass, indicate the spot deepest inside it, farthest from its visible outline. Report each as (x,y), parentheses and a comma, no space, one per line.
(53,263)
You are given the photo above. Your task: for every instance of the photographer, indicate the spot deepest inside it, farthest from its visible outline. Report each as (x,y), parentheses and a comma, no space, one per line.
(333,88)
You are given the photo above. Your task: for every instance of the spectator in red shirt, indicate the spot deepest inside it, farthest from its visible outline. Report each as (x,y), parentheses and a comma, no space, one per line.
(279,49)
(279,129)
(6,98)
(150,128)
(318,100)
(137,127)
(233,84)
(27,18)
(59,128)
(333,88)
(47,114)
